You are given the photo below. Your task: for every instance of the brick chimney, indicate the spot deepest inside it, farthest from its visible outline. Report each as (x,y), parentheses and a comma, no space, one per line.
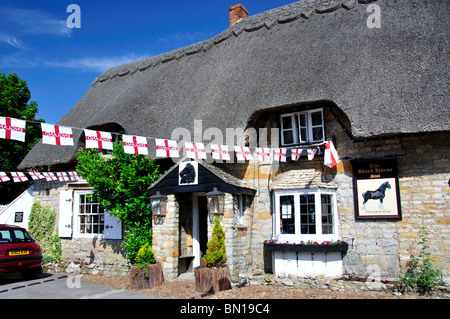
(237,12)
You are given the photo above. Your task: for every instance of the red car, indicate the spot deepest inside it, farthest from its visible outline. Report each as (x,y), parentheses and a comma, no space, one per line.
(19,252)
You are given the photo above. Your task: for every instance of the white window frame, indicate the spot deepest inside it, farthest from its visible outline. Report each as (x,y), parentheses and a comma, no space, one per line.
(297,237)
(109,220)
(296,127)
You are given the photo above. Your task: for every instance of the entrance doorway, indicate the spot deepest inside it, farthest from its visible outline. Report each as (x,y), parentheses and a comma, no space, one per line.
(200,226)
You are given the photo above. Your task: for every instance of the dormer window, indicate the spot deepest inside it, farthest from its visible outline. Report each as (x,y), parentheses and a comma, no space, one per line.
(302,127)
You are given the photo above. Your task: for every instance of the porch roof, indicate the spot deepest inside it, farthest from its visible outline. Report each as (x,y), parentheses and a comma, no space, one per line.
(209,176)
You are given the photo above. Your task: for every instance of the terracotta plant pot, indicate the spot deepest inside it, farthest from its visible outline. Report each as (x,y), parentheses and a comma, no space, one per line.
(211,280)
(145,277)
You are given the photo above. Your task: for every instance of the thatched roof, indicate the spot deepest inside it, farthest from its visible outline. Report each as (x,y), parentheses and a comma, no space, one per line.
(388,80)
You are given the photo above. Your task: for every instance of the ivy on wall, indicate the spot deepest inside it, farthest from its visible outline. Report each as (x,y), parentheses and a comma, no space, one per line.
(41,226)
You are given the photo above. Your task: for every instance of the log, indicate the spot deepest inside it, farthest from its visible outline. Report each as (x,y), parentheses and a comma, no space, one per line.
(152,277)
(211,280)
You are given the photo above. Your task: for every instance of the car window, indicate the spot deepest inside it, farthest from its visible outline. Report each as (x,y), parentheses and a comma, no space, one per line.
(5,236)
(14,236)
(21,236)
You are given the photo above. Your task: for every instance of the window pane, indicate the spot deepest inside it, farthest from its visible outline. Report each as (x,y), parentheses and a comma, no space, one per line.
(287,216)
(288,137)
(286,122)
(307,214)
(317,133)
(316,118)
(327,214)
(303,130)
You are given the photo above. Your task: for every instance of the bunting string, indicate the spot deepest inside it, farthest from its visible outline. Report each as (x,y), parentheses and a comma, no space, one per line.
(15,129)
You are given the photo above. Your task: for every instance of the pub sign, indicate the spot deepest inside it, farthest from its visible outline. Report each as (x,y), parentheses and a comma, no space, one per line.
(376,189)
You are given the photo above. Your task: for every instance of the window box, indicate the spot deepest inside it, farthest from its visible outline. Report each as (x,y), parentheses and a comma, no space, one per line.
(306,247)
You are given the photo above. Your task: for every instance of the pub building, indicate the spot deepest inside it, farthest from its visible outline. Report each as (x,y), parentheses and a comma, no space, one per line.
(292,77)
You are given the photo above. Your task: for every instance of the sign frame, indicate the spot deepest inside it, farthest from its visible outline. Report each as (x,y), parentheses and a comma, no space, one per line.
(188,173)
(376,189)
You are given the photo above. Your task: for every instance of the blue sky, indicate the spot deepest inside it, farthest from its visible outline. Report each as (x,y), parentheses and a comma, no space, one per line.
(59,63)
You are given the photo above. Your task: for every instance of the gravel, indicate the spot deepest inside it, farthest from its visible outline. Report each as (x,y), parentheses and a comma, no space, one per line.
(185,289)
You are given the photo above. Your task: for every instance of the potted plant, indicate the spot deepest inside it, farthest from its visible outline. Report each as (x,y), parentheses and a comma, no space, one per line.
(214,275)
(147,272)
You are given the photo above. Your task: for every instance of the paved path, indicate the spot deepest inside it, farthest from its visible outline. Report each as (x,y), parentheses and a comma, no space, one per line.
(60,286)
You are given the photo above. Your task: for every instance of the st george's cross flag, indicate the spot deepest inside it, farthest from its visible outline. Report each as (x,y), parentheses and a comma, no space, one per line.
(74,176)
(4,177)
(166,148)
(311,153)
(12,129)
(62,176)
(135,144)
(19,177)
(220,152)
(195,150)
(56,135)
(263,154)
(36,176)
(279,155)
(331,157)
(98,139)
(50,177)
(296,153)
(243,153)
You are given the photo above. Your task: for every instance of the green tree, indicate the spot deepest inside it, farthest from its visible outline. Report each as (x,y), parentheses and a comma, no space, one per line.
(120,184)
(14,103)
(215,255)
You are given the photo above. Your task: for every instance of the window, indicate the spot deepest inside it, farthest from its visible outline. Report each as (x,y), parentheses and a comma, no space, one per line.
(91,216)
(303,215)
(15,236)
(302,127)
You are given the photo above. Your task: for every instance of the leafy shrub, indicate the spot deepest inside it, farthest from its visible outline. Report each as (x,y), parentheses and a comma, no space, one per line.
(215,256)
(145,255)
(41,226)
(420,272)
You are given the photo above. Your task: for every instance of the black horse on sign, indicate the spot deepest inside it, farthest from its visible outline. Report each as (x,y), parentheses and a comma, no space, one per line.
(378,194)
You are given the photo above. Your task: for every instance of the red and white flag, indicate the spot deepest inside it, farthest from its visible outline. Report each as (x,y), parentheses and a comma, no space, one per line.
(74,176)
(98,139)
(195,150)
(263,154)
(12,129)
(135,144)
(4,177)
(279,155)
(62,176)
(311,154)
(56,135)
(220,152)
(296,153)
(243,153)
(331,157)
(36,176)
(50,177)
(19,177)
(166,148)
